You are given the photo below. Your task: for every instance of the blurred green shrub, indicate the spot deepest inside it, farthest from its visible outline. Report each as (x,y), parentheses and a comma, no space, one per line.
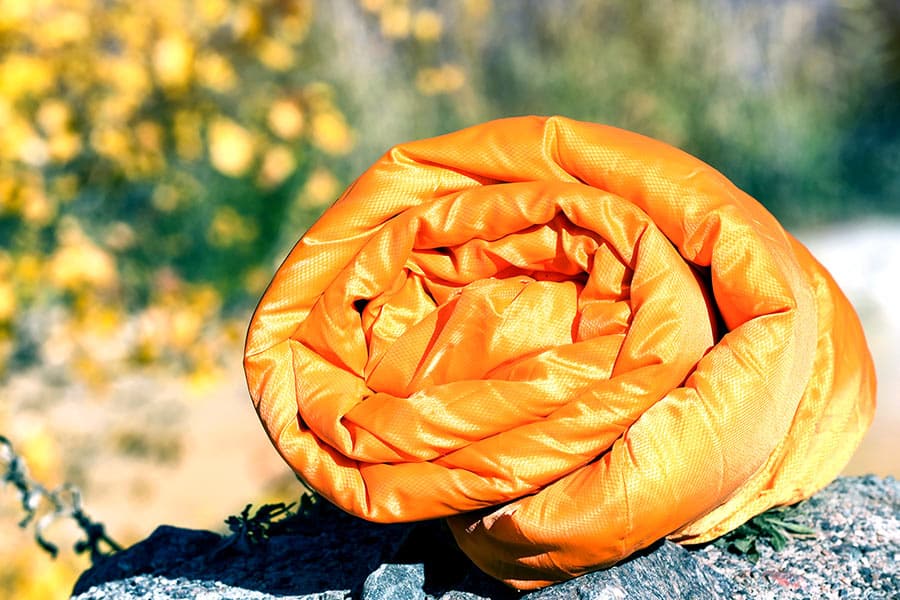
(149,155)
(157,159)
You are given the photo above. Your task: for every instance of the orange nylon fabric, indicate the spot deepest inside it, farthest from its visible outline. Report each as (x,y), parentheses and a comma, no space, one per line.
(570,339)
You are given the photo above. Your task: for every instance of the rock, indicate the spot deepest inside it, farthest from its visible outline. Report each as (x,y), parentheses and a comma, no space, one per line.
(335,556)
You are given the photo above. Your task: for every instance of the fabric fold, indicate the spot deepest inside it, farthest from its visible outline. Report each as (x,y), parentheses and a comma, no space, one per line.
(568,339)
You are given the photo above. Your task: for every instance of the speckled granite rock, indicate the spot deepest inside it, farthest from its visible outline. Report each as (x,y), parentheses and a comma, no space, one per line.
(854,554)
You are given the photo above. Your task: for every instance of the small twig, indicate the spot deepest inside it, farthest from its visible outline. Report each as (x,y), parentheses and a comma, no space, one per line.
(64,502)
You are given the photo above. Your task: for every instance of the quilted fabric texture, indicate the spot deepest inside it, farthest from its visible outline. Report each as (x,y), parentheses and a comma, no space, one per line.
(569,339)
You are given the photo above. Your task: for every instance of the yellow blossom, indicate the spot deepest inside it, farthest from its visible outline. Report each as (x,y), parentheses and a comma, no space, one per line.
(64,187)
(165,198)
(229,228)
(14,133)
(7,301)
(117,108)
(215,72)
(278,163)
(53,116)
(27,270)
(64,27)
(231,147)
(34,151)
(22,74)
(427,25)
(125,73)
(79,262)
(13,12)
(330,132)
(149,135)
(188,143)
(6,264)
(39,449)
(372,5)
(246,21)
(293,28)
(477,9)
(111,142)
(120,236)
(172,59)
(64,146)
(395,21)
(256,279)
(321,187)
(213,12)
(441,80)
(276,55)
(185,326)
(285,119)
(37,208)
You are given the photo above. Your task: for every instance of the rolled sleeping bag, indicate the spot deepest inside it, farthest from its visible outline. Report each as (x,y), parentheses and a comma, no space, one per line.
(568,339)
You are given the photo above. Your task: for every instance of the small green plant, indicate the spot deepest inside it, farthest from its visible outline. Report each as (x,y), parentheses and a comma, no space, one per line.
(774,527)
(268,520)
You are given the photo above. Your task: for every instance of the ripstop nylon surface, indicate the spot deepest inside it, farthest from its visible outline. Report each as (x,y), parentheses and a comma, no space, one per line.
(570,339)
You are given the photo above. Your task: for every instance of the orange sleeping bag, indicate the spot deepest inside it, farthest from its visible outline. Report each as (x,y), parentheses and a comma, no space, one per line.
(569,339)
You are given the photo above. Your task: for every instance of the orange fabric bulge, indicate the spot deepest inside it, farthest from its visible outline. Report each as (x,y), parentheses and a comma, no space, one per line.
(569,339)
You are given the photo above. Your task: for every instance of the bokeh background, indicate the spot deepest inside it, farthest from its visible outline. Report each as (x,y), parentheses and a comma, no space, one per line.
(157,159)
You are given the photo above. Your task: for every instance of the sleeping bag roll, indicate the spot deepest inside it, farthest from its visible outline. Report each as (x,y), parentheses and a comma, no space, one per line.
(569,340)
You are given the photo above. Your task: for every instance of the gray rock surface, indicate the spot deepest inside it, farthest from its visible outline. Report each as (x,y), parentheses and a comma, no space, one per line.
(855,553)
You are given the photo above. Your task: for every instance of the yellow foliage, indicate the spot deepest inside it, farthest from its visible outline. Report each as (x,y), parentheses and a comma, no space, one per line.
(30,574)
(40,450)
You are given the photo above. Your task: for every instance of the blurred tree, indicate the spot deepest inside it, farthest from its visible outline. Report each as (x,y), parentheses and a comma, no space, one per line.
(870,148)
